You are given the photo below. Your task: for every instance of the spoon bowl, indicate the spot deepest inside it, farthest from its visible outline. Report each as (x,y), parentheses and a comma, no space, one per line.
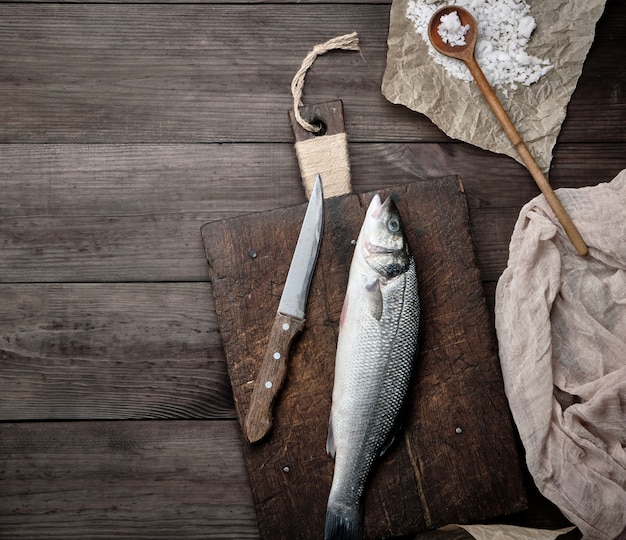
(461,52)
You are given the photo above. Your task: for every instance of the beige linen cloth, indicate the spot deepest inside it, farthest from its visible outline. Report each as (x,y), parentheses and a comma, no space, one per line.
(561,326)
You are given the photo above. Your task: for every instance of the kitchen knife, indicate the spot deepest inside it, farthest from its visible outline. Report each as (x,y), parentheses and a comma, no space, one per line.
(289,320)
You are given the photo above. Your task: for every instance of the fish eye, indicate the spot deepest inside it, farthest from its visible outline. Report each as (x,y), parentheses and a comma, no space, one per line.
(393,225)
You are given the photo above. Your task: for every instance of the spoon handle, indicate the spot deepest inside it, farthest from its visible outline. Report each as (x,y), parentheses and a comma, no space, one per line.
(526,156)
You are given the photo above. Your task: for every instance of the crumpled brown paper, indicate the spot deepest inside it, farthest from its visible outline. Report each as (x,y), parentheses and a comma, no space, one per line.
(564,33)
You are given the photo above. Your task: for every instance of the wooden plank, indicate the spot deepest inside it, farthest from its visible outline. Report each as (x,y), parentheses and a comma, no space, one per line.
(75,213)
(221,73)
(185,73)
(93,180)
(95,212)
(436,474)
(286,2)
(127,480)
(595,89)
(111,351)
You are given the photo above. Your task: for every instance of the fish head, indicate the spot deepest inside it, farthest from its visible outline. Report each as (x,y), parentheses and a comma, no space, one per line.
(384,246)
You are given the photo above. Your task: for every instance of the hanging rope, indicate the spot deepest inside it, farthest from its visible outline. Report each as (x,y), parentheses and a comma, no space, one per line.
(349,42)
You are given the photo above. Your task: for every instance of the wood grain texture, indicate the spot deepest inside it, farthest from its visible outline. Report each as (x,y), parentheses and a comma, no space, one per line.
(437,474)
(125,126)
(75,213)
(205,1)
(190,73)
(221,73)
(110,351)
(132,480)
(48,357)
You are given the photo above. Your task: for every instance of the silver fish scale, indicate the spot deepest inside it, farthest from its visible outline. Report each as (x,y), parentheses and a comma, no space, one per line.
(382,369)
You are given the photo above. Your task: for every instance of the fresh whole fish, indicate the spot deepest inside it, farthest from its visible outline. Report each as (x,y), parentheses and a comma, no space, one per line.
(377,344)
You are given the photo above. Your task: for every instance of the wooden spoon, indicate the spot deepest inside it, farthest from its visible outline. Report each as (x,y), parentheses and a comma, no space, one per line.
(466,54)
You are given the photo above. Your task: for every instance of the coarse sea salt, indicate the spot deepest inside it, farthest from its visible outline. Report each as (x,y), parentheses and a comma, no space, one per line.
(504,30)
(451,30)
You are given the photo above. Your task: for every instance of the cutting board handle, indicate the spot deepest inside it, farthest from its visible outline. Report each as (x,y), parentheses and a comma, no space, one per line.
(324,152)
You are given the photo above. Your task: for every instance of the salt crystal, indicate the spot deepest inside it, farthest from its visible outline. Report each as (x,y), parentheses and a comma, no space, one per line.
(526,26)
(451,31)
(504,30)
(532,78)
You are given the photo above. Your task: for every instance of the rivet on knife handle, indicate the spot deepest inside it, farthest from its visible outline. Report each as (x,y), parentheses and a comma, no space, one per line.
(271,375)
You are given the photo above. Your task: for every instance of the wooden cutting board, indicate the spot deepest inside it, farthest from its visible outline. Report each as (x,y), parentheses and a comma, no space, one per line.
(457,459)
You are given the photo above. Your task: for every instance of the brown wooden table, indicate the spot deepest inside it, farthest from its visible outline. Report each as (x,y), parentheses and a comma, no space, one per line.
(126,126)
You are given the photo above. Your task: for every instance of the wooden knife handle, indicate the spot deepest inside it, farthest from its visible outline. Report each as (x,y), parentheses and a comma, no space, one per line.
(271,375)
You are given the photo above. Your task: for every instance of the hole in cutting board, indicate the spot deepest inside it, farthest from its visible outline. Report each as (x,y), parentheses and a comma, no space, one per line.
(318,122)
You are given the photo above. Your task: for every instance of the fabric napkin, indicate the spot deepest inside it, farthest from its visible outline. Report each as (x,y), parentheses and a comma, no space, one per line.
(561,327)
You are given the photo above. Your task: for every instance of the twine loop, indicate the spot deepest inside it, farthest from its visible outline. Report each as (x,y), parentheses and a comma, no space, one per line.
(349,42)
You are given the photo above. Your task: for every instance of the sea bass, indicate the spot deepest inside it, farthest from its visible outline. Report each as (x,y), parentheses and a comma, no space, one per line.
(378,338)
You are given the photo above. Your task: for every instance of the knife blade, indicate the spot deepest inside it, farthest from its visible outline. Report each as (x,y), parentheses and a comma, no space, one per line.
(289,320)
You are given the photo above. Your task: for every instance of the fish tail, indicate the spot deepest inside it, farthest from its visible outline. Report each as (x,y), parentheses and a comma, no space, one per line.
(344,522)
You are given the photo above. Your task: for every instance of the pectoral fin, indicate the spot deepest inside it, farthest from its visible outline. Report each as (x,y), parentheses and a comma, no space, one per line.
(374,299)
(330,440)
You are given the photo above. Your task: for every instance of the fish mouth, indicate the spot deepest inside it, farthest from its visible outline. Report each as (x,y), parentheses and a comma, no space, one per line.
(378,250)
(377,206)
